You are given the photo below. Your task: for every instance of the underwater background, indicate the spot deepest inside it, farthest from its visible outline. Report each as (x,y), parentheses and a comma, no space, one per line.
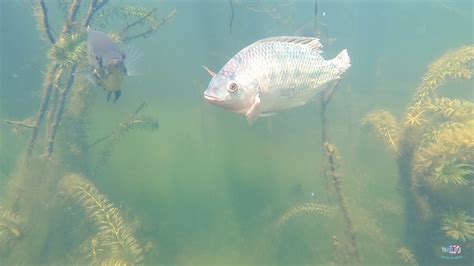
(162,177)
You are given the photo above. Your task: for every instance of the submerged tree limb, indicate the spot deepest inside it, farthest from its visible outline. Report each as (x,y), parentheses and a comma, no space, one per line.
(150,30)
(231,16)
(71,15)
(45,21)
(54,101)
(18,123)
(47,87)
(59,111)
(137,21)
(332,157)
(93,7)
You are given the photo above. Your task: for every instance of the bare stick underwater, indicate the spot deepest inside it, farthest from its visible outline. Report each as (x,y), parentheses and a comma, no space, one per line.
(330,153)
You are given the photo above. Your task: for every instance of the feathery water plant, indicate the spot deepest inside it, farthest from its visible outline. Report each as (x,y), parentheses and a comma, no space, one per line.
(385,125)
(11,228)
(458,226)
(453,172)
(69,49)
(309,208)
(114,240)
(451,143)
(454,109)
(452,65)
(435,141)
(407,256)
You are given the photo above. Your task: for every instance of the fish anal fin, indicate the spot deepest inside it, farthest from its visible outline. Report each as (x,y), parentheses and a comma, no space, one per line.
(310,42)
(108,96)
(266,114)
(253,112)
(117,95)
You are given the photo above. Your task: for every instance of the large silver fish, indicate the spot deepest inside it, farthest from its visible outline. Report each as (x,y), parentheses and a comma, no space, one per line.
(274,74)
(107,62)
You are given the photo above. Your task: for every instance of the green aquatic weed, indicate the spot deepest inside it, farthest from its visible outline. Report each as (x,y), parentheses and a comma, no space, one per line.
(453,172)
(459,226)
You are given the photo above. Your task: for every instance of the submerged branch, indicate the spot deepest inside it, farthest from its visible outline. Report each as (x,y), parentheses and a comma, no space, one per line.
(93,7)
(45,21)
(333,158)
(54,101)
(151,29)
(18,123)
(138,21)
(59,111)
(231,16)
(71,15)
(139,109)
(47,87)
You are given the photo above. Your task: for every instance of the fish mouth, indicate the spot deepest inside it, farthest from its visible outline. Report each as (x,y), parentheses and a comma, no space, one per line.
(212,99)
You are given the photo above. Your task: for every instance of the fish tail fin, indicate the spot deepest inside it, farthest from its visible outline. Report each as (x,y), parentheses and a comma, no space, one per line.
(342,61)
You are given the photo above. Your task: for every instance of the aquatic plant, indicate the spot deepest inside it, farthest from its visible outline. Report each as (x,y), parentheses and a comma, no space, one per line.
(388,206)
(333,160)
(133,122)
(35,180)
(69,49)
(458,226)
(11,228)
(386,127)
(114,240)
(452,65)
(446,158)
(304,209)
(435,141)
(453,172)
(407,256)
(132,16)
(68,52)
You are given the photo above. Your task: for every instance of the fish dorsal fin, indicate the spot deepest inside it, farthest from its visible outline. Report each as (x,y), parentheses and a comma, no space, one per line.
(310,42)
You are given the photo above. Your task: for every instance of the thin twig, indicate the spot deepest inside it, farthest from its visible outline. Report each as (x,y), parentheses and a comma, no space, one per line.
(46,25)
(59,111)
(139,109)
(231,16)
(99,141)
(315,15)
(138,21)
(93,7)
(17,123)
(151,30)
(331,156)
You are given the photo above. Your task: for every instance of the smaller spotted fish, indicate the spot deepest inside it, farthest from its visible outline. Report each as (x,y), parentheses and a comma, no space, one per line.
(274,74)
(109,63)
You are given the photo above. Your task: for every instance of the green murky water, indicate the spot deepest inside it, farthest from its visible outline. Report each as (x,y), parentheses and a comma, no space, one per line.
(205,188)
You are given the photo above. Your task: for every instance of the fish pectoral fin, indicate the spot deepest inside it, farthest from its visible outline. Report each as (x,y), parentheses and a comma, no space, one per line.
(108,96)
(210,72)
(253,112)
(117,95)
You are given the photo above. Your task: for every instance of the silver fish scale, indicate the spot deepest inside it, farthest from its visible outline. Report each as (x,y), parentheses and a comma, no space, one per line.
(290,70)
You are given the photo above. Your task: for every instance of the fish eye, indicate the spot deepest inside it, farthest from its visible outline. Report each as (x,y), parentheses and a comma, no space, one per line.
(232,87)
